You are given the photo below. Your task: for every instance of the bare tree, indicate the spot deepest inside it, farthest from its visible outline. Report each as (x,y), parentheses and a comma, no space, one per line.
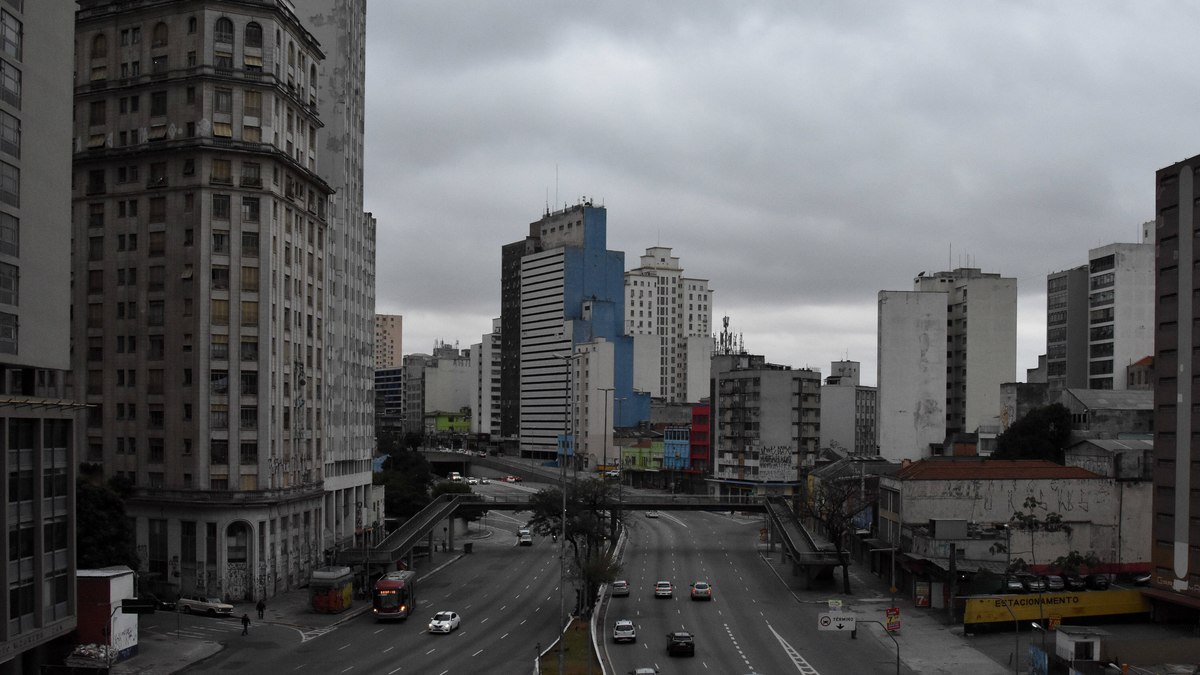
(591,506)
(833,505)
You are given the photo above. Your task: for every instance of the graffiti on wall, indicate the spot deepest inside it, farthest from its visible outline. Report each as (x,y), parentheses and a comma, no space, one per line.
(776,464)
(237,579)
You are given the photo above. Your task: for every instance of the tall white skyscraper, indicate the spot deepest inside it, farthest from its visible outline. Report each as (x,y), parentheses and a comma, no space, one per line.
(669,317)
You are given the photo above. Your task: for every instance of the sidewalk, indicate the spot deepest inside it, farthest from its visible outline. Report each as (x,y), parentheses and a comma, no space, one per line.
(928,646)
(165,653)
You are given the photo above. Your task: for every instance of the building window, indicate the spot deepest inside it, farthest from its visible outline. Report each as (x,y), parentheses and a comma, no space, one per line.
(10,134)
(252,103)
(159,36)
(248,453)
(220,207)
(10,84)
(249,313)
(220,312)
(10,235)
(10,35)
(96,112)
(9,275)
(219,347)
(253,35)
(223,31)
(10,184)
(223,101)
(100,46)
(158,103)
(221,175)
(251,176)
(218,450)
(220,241)
(8,333)
(218,382)
(220,278)
(249,383)
(250,209)
(250,279)
(250,244)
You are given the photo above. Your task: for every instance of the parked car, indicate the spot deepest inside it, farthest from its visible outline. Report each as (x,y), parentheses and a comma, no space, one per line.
(444,622)
(1012,585)
(623,631)
(160,604)
(1054,583)
(701,591)
(1074,582)
(680,643)
(1034,584)
(1097,582)
(620,589)
(199,604)
(663,589)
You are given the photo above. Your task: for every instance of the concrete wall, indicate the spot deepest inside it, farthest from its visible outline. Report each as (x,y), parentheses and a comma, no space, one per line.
(911,373)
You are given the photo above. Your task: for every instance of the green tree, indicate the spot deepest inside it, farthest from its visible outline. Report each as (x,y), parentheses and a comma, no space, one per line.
(1041,434)
(405,478)
(104,536)
(591,510)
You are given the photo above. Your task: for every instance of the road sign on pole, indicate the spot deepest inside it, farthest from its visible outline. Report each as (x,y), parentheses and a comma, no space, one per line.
(835,621)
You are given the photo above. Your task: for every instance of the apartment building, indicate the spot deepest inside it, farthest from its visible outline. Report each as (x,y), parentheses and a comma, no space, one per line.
(669,317)
(765,425)
(38,413)
(389,340)
(201,259)
(1100,316)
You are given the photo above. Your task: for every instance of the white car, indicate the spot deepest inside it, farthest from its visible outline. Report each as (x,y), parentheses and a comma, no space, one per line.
(485,481)
(623,631)
(472,481)
(199,604)
(444,622)
(652,514)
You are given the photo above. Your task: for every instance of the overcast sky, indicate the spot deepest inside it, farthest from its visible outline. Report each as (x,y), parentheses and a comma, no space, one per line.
(801,156)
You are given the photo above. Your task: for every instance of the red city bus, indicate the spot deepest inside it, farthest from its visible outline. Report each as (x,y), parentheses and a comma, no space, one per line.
(395,595)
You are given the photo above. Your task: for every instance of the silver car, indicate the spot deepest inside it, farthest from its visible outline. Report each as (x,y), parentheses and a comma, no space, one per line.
(623,631)
(444,622)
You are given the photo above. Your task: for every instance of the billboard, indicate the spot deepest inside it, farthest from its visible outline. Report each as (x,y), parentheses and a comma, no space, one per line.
(776,464)
(1041,606)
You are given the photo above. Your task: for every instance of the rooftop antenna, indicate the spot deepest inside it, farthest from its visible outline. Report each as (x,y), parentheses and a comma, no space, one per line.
(556,182)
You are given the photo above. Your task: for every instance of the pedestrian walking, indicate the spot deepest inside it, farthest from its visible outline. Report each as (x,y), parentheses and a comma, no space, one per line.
(261,607)
(245,624)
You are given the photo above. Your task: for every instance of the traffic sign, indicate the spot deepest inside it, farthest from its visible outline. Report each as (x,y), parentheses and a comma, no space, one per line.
(835,621)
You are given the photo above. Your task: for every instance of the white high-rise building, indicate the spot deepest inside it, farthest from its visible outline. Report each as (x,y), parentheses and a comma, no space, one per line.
(485,394)
(1100,316)
(339,82)
(848,411)
(669,317)
(981,344)
(911,374)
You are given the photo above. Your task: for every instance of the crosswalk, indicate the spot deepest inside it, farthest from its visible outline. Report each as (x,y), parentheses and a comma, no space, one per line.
(199,631)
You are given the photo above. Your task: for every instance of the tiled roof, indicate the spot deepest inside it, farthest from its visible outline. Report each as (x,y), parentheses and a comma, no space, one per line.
(990,469)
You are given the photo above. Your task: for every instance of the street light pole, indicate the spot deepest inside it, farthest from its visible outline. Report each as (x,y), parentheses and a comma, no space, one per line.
(562,539)
(607,391)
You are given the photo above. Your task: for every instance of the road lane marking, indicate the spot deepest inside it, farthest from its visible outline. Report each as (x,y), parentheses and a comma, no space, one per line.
(348,669)
(378,631)
(395,671)
(344,646)
(801,665)
(477,653)
(389,649)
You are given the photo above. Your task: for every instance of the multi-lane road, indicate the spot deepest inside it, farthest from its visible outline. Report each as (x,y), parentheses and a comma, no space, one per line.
(508,597)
